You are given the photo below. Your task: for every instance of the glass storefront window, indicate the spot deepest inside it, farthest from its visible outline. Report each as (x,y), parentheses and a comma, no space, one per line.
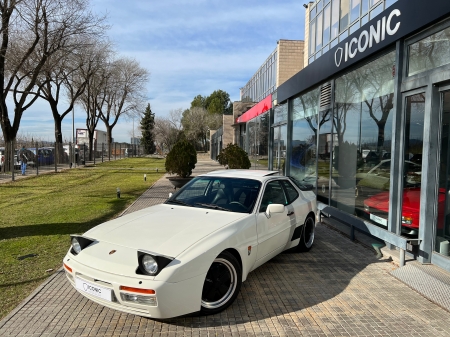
(429,53)
(279,148)
(443,219)
(280,113)
(302,161)
(412,163)
(258,142)
(362,126)
(324,156)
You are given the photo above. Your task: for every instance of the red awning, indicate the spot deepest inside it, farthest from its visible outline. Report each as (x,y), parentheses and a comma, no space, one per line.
(256,110)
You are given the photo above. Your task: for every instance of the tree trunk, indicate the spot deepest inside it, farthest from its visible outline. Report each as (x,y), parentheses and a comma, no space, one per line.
(58,138)
(109,137)
(9,135)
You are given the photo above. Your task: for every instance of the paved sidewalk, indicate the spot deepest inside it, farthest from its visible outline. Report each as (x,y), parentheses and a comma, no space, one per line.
(339,288)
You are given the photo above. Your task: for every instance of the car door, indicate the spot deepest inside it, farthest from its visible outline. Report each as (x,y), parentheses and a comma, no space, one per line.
(273,230)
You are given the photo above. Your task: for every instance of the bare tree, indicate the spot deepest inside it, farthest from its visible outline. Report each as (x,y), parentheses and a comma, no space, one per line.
(123,92)
(65,76)
(31,32)
(196,124)
(92,98)
(168,130)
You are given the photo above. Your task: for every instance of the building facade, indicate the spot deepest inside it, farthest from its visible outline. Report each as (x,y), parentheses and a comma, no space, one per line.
(251,116)
(367,121)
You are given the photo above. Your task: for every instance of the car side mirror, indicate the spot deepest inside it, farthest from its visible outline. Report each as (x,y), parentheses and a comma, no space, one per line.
(170,195)
(274,208)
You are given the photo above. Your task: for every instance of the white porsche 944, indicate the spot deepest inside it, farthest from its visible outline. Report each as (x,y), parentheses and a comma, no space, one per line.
(192,253)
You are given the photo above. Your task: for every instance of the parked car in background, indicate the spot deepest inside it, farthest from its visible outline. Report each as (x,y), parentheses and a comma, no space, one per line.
(129,152)
(372,158)
(45,156)
(417,158)
(192,253)
(377,208)
(378,178)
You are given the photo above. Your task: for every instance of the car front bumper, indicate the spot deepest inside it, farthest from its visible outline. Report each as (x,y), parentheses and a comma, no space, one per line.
(172,299)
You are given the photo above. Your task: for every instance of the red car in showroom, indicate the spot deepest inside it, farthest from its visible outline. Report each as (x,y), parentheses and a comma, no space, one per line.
(377,207)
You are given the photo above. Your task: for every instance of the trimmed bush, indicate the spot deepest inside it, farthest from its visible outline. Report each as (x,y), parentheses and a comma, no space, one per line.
(234,157)
(181,159)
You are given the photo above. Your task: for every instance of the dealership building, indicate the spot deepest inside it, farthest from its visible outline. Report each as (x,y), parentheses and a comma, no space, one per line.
(367,120)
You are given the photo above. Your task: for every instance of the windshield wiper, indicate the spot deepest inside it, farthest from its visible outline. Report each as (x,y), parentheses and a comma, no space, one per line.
(178,202)
(213,206)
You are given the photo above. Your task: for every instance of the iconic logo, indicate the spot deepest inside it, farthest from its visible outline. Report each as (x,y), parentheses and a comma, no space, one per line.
(112,252)
(89,288)
(375,34)
(338,56)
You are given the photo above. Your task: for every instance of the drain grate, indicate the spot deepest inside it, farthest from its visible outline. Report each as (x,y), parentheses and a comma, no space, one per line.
(427,280)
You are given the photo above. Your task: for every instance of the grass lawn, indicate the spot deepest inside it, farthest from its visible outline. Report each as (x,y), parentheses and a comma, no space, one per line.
(37,215)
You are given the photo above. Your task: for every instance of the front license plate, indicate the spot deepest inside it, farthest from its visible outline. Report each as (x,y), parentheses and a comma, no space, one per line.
(379,220)
(93,289)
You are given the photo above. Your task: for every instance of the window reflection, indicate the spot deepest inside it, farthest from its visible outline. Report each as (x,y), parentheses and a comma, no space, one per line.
(258,142)
(429,53)
(362,124)
(412,178)
(324,156)
(279,149)
(344,15)
(304,140)
(443,220)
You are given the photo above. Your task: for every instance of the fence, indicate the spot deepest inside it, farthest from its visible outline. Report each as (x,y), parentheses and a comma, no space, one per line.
(55,157)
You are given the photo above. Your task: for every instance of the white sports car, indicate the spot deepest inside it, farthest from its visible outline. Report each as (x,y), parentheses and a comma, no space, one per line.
(192,253)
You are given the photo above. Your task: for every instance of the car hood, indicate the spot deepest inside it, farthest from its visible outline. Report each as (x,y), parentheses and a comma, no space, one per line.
(411,200)
(164,229)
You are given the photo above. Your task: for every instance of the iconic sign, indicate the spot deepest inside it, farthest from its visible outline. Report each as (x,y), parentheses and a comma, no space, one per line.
(368,38)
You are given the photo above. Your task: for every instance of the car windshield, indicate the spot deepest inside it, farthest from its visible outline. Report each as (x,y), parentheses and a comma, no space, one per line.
(219,193)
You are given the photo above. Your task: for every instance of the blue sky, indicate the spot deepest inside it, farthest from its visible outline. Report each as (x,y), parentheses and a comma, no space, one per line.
(190,47)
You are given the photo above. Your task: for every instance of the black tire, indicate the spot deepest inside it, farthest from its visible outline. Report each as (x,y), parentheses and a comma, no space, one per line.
(307,237)
(222,284)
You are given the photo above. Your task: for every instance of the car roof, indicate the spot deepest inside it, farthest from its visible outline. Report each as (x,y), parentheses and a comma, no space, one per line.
(252,174)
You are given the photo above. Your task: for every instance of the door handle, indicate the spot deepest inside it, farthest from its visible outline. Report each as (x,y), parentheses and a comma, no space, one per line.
(290,213)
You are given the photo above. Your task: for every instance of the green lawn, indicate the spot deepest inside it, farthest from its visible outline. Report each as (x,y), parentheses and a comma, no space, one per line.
(37,214)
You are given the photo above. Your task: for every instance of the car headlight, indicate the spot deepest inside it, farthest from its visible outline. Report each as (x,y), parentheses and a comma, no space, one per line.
(79,243)
(76,245)
(151,263)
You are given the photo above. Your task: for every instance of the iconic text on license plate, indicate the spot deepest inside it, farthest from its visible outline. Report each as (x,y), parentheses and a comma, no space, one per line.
(379,220)
(93,289)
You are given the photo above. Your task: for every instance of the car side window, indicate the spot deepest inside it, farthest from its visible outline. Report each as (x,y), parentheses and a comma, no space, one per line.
(273,194)
(292,193)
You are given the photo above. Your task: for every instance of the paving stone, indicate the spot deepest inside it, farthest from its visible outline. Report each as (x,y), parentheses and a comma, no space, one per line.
(339,288)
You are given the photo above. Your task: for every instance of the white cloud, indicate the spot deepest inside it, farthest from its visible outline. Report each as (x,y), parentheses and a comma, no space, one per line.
(190,47)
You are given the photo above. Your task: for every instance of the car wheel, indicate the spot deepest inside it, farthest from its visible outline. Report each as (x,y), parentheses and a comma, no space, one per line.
(307,237)
(222,284)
